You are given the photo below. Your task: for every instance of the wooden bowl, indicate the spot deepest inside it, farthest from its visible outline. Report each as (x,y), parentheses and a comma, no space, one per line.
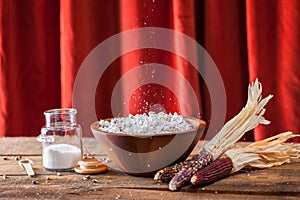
(143,155)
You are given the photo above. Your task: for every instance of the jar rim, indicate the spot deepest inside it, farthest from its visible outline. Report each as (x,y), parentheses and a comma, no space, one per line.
(61,111)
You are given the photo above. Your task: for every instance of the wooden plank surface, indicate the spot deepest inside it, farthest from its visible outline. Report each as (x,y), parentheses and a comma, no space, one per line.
(281,182)
(30,146)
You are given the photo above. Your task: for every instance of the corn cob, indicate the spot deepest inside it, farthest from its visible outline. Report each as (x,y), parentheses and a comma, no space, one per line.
(218,169)
(167,173)
(262,154)
(188,171)
(248,118)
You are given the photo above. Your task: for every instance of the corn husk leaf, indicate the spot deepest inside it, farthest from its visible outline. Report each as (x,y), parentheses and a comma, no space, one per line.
(265,153)
(248,118)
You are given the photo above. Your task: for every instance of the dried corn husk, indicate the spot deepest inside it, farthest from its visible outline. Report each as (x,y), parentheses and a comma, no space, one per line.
(248,118)
(262,154)
(265,153)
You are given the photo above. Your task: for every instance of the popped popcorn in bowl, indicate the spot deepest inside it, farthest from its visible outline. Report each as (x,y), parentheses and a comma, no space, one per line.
(151,123)
(144,143)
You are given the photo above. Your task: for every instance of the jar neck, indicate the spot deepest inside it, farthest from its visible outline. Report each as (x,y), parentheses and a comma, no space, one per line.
(60,117)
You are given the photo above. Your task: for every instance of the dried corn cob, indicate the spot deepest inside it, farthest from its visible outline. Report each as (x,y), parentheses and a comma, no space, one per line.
(189,170)
(167,173)
(218,169)
(248,118)
(266,153)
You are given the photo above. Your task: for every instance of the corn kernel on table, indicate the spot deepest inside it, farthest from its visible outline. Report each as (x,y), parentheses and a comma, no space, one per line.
(281,182)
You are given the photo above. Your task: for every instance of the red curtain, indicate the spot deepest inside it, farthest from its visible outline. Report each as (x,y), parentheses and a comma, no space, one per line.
(30,60)
(44,43)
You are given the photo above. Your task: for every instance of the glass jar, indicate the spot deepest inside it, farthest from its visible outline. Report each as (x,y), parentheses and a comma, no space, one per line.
(61,140)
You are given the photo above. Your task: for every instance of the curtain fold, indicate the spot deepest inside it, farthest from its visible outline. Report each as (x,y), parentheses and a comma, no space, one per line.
(225,40)
(273,40)
(44,43)
(30,72)
(179,16)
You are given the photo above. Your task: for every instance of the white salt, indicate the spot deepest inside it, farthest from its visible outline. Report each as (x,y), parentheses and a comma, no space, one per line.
(151,123)
(61,156)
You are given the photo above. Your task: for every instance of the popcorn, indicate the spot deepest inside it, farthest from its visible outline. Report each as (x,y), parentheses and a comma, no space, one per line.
(150,123)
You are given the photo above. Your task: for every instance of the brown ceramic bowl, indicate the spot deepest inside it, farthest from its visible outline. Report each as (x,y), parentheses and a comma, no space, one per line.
(144,155)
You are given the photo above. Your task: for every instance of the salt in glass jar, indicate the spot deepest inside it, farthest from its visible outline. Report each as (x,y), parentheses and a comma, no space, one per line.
(61,138)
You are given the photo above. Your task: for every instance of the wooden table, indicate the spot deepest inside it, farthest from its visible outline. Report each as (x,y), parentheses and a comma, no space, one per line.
(275,183)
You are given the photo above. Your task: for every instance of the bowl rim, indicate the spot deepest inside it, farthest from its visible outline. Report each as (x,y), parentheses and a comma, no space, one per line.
(202,124)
